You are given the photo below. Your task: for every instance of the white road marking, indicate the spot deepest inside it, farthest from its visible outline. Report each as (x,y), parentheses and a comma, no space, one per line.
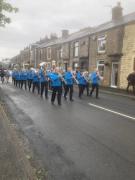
(111,111)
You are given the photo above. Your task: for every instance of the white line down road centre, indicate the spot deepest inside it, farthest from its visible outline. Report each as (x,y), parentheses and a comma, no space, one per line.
(111,111)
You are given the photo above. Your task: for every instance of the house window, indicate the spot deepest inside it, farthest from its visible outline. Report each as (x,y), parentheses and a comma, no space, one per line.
(101,67)
(76,49)
(101,44)
(49,53)
(75,66)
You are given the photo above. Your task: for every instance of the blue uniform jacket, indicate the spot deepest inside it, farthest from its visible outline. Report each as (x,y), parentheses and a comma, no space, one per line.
(94,78)
(42,76)
(68,78)
(30,74)
(55,79)
(17,76)
(81,79)
(24,75)
(35,77)
(13,74)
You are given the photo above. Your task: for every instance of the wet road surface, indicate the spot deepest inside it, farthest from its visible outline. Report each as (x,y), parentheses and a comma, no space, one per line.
(78,141)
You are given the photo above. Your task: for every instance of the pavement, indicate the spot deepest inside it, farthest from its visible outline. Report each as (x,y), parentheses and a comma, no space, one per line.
(89,139)
(117,92)
(13,162)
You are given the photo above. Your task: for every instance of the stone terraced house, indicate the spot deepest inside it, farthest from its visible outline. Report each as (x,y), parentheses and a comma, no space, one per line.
(110,47)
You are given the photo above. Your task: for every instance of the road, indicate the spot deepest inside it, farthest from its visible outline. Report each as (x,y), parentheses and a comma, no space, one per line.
(89,139)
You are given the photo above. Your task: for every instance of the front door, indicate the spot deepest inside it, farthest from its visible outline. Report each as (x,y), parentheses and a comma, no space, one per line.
(114,76)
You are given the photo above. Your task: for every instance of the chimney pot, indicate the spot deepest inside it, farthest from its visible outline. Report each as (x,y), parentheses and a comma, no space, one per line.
(65,33)
(117,12)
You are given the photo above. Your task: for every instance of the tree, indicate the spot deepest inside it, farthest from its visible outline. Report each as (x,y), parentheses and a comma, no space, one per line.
(6,8)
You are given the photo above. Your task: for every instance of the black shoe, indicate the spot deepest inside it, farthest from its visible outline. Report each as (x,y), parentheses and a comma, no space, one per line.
(71,100)
(59,104)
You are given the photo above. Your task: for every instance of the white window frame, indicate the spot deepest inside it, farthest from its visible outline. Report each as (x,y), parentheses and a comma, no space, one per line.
(101,40)
(49,51)
(76,49)
(101,63)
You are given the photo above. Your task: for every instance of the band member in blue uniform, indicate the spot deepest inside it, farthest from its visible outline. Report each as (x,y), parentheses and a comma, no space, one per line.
(44,82)
(18,78)
(81,83)
(36,82)
(13,77)
(30,78)
(95,79)
(86,77)
(56,84)
(24,79)
(68,86)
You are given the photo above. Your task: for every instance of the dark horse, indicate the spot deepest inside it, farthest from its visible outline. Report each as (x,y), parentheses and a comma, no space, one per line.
(131,82)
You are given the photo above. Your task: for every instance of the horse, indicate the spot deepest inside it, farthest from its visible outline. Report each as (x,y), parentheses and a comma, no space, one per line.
(131,82)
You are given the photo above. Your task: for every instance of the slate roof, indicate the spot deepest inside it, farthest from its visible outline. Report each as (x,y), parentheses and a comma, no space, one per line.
(89,31)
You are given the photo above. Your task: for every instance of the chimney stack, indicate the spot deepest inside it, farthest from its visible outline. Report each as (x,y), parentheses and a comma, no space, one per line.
(53,36)
(117,12)
(65,33)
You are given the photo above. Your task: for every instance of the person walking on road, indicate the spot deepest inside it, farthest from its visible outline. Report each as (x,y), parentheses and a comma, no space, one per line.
(95,80)
(44,82)
(24,76)
(7,76)
(68,76)
(36,82)
(2,74)
(81,83)
(56,84)
(30,78)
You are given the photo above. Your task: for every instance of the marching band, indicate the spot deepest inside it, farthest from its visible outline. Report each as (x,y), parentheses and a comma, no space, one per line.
(56,81)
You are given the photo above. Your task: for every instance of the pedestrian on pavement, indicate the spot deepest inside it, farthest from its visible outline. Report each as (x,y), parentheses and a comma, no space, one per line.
(95,81)
(68,85)
(131,81)
(56,84)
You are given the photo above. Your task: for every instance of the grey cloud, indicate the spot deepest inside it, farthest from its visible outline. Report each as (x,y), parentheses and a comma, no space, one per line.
(38,18)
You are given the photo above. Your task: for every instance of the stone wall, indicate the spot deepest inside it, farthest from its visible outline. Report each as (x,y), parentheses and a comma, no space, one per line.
(127,61)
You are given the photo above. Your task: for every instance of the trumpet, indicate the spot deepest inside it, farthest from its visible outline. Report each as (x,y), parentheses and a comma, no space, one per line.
(87,80)
(77,82)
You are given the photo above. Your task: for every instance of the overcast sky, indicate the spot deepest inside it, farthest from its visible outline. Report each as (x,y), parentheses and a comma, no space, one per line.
(37,18)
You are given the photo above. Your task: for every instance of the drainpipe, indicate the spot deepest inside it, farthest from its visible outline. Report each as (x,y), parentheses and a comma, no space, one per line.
(69,52)
(88,52)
